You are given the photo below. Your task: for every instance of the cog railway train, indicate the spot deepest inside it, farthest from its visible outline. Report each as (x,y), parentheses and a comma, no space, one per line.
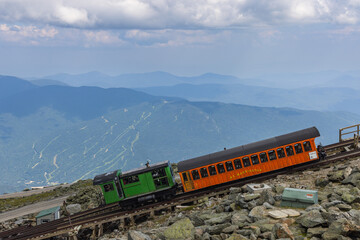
(157,182)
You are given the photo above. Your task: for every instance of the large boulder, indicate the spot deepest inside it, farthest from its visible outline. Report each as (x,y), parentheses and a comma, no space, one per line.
(181,229)
(136,235)
(311,219)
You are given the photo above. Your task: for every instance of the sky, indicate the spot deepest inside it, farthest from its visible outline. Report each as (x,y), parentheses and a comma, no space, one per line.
(186,37)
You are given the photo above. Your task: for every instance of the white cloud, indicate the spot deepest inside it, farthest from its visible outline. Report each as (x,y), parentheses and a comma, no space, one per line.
(26,34)
(177,14)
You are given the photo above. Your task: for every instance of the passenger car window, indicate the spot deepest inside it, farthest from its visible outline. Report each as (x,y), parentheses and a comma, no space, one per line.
(221,168)
(195,174)
(298,148)
(307,146)
(272,155)
(263,157)
(280,152)
(289,150)
(255,159)
(212,170)
(237,163)
(246,161)
(184,177)
(204,172)
(229,166)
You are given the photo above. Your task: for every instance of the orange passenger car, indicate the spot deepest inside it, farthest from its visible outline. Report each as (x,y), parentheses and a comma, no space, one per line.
(248,160)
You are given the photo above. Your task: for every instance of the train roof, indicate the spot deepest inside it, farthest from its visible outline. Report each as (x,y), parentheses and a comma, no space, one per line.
(105,177)
(144,169)
(248,149)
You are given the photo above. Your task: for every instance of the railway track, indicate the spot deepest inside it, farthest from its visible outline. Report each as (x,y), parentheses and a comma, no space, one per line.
(94,218)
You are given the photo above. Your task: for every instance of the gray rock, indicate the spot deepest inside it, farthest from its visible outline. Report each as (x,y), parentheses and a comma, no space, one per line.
(336,176)
(311,219)
(136,235)
(196,220)
(258,213)
(73,208)
(321,182)
(251,196)
(236,236)
(252,204)
(181,229)
(240,202)
(331,204)
(281,230)
(230,229)
(334,197)
(268,205)
(219,209)
(240,219)
(350,198)
(245,232)
(217,229)
(266,196)
(342,227)
(353,179)
(315,232)
(314,207)
(219,219)
(279,189)
(344,207)
(235,190)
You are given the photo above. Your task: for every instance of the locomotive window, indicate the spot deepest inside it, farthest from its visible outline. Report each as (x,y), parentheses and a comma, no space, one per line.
(158,173)
(246,161)
(131,179)
(298,148)
(221,168)
(108,187)
(204,172)
(237,163)
(280,152)
(255,159)
(263,157)
(212,170)
(307,146)
(185,177)
(272,155)
(229,166)
(289,150)
(161,182)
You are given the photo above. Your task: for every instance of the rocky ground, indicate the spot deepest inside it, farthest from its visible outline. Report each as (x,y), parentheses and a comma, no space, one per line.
(245,215)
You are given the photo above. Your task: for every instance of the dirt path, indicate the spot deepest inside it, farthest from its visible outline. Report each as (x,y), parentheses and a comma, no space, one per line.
(33,208)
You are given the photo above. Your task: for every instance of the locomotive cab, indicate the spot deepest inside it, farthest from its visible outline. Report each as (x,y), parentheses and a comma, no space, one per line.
(110,186)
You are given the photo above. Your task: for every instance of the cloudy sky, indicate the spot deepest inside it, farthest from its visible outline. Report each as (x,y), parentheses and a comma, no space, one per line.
(184,37)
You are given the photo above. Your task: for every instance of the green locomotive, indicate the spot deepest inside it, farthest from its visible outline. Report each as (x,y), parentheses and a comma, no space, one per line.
(134,187)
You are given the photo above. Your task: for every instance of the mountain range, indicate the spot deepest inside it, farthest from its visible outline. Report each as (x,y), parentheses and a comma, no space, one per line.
(329,90)
(52,134)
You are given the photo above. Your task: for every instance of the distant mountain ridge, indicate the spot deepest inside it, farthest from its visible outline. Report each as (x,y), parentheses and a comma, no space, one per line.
(57,134)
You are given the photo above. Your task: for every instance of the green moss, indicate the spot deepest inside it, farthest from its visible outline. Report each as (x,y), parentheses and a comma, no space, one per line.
(13,203)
